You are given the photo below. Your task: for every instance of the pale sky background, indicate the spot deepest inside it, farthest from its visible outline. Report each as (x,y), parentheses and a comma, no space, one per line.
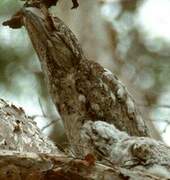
(154,18)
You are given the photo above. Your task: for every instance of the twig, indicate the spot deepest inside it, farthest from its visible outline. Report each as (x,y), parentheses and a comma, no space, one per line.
(49,124)
(41,106)
(154,105)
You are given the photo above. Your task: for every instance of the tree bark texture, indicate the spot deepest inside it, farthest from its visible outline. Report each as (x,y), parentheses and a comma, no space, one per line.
(26,154)
(20,133)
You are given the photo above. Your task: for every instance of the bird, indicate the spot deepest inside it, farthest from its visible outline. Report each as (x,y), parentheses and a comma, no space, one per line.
(81,89)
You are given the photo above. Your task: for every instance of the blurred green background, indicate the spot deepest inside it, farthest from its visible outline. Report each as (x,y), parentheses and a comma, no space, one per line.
(140,34)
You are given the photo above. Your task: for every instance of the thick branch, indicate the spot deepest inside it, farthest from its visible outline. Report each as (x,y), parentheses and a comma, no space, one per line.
(124,157)
(19,132)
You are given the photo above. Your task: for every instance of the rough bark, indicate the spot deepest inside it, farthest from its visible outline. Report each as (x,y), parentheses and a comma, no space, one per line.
(123,157)
(20,133)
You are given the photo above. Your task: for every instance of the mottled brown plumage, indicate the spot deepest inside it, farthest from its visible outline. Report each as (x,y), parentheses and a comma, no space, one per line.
(81,89)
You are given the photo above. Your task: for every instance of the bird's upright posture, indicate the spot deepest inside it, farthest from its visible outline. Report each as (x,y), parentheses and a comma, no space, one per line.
(81,89)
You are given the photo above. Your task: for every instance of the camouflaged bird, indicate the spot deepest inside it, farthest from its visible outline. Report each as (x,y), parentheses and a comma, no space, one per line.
(81,89)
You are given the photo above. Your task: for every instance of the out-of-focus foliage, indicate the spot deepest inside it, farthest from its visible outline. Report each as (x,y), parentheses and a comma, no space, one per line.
(20,74)
(143,57)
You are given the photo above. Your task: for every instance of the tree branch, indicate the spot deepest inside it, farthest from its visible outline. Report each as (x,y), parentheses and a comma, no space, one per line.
(121,156)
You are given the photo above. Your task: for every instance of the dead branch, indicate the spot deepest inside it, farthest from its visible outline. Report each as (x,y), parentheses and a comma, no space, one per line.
(26,154)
